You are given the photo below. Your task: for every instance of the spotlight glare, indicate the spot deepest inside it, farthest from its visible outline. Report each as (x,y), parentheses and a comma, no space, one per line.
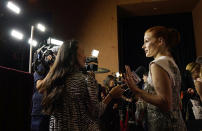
(17,34)
(54,41)
(95,53)
(41,27)
(117,74)
(34,42)
(13,7)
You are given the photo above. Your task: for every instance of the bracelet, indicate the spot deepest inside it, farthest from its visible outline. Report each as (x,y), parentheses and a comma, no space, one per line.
(110,94)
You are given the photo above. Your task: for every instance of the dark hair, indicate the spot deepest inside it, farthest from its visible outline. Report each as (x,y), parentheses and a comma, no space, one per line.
(171,36)
(54,83)
(199,59)
(108,79)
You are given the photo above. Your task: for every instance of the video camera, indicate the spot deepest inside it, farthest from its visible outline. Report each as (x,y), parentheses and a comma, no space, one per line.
(47,53)
(45,56)
(92,62)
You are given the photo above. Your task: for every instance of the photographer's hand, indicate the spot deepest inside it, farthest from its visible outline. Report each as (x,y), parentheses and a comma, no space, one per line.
(49,57)
(116,92)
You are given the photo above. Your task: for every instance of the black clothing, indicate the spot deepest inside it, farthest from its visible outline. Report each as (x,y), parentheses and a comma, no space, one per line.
(39,121)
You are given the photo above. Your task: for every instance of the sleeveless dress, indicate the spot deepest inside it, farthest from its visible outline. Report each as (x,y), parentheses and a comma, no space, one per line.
(158,120)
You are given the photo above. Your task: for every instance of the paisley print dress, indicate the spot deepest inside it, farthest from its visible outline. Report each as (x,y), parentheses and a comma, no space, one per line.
(158,120)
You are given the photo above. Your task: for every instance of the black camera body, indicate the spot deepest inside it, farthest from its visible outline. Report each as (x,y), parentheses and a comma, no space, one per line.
(91,64)
(117,82)
(46,54)
(41,58)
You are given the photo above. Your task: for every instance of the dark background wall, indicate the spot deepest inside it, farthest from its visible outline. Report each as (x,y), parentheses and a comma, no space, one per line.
(92,22)
(131,37)
(197,22)
(15,53)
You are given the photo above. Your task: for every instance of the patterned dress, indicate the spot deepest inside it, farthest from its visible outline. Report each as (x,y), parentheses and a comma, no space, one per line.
(81,109)
(197,103)
(158,120)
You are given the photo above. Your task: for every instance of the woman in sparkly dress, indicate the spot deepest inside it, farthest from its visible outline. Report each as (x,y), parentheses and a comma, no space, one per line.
(162,94)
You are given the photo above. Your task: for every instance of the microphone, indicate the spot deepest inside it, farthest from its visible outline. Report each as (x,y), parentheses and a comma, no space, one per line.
(138,74)
(140,71)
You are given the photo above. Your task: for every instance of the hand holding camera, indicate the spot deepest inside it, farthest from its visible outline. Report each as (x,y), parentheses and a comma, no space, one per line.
(116,92)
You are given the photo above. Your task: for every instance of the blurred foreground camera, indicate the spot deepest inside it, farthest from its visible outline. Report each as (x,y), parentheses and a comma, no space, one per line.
(92,62)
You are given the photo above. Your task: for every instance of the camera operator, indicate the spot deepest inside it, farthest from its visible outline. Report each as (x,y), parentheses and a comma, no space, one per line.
(39,121)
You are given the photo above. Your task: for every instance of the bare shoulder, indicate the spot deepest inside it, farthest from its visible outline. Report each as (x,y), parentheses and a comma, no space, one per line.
(160,77)
(156,69)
